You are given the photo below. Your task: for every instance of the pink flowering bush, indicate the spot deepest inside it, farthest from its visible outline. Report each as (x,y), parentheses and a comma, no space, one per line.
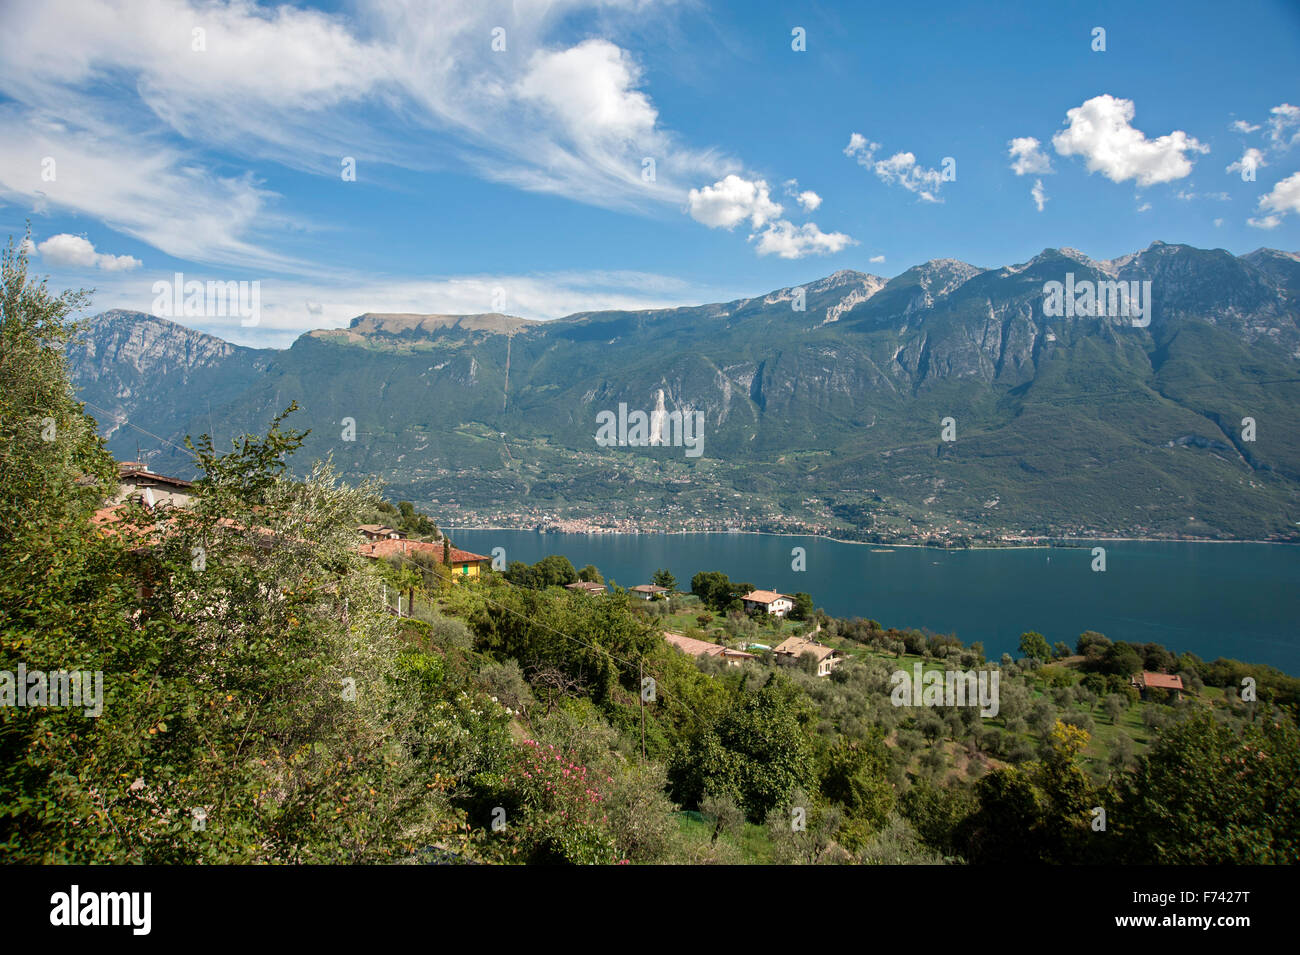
(554,809)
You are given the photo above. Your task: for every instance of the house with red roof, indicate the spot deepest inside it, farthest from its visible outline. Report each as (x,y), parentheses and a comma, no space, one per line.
(463,563)
(1147,680)
(702,648)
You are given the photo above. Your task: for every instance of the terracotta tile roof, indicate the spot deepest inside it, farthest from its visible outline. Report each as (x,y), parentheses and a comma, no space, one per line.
(702,648)
(389,547)
(648,589)
(1160,681)
(798,646)
(467,557)
(589,586)
(764,596)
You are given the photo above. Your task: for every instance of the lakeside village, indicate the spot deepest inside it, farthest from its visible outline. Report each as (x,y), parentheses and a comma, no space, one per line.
(790,619)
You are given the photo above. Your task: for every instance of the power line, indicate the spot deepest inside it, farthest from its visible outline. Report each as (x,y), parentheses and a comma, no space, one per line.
(130,424)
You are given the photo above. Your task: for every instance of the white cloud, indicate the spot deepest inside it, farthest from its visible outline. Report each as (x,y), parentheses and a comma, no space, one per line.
(590,88)
(876,259)
(1249,162)
(65,251)
(1038,195)
(1284,198)
(1217,223)
(789,241)
(900,169)
(732,200)
(1029,158)
(386,83)
(807,199)
(1145,207)
(861,149)
(1283,119)
(1100,131)
(1242,126)
(139,187)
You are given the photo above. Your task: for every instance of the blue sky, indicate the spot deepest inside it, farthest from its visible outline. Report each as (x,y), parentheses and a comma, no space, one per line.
(514,179)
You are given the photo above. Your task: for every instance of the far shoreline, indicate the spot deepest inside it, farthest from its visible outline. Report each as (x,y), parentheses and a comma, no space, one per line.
(1049,543)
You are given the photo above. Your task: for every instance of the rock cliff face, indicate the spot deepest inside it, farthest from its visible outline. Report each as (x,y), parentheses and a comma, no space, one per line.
(135,366)
(821,402)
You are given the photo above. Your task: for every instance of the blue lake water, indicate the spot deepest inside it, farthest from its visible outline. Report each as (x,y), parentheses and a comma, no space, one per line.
(1231,600)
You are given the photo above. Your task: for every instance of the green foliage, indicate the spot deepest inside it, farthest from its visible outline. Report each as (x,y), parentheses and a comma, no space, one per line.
(714,589)
(803,607)
(1033,644)
(1039,812)
(1209,794)
(856,776)
(664,578)
(758,752)
(554,570)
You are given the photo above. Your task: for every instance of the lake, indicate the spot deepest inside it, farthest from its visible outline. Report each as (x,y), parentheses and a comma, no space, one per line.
(1231,600)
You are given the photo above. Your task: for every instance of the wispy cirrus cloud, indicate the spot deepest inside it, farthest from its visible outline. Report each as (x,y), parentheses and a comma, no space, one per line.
(182,83)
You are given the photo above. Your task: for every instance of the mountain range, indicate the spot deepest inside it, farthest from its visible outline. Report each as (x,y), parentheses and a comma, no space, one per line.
(941,404)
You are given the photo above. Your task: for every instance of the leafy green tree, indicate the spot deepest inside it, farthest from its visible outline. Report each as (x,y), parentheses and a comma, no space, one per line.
(856,776)
(591,575)
(713,588)
(1039,812)
(1209,794)
(1034,645)
(664,578)
(1121,659)
(937,813)
(258,705)
(803,607)
(1091,644)
(555,570)
(759,751)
